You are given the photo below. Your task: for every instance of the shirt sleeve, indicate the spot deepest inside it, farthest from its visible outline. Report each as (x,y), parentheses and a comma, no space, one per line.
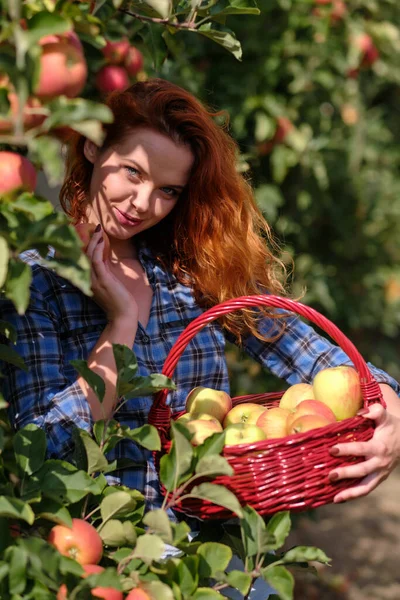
(300,352)
(44,394)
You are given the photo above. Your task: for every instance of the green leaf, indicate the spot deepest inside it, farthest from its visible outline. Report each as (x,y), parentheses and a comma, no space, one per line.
(213,465)
(16,509)
(280,579)
(218,494)
(119,503)
(204,593)
(146,436)
(53,511)
(162,7)
(95,382)
(35,208)
(8,330)
(305,554)
(256,538)
(116,533)
(159,523)
(96,461)
(73,111)
(279,526)
(4,257)
(30,448)
(212,446)
(126,363)
(177,463)
(145,386)
(17,284)
(187,575)
(214,557)
(180,532)
(238,10)
(46,23)
(9,355)
(18,560)
(239,580)
(75,271)
(149,548)
(157,589)
(46,150)
(223,38)
(62,482)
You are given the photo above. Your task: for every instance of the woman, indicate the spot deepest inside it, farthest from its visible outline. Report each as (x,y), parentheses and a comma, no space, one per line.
(184,234)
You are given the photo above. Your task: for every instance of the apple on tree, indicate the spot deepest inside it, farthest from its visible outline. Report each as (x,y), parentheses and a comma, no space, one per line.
(243,433)
(80,542)
(16,172)
(116,52)
(138,594)
(110,78)
(340,389)
(216,403)
(106,593)
(133,61)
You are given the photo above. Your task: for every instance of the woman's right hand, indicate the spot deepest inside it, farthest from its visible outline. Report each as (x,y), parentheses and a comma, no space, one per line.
(108,291)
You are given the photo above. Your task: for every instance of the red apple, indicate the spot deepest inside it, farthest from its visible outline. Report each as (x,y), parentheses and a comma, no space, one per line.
(339,388)
(247,412)
(116,52)
(106,593)
(110,78)
(202,429)
(369,52)
(16,171)
(134,61)
(307,423)
(81,541)
(339,9)
(138,594)
(295,394)
(310,407)
(284,126)
(273,422)
(63,70)
(70,37)
(243,433)
(85,232)
(29,119)
(206,400)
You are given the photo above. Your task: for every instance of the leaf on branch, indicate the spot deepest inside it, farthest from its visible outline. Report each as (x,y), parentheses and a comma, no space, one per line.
(17,284)
(13,508)
(160,524)
(280,579)
(145,386)
(117,504)
(176,465)
(30,448)
(214,557)
(218,494)
(223,38)
(4,258)
(279,526)
(117,533)
(305,554)
(46,23)
(53,511)
(149,548)
(95,382)
(96,461)
(162,7)
(256,538)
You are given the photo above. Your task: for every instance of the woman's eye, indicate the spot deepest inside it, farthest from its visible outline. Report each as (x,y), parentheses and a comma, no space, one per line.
(170,191)
(131,171)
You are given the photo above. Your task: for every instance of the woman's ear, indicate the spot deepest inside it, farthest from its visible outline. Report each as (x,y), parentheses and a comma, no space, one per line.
(90,150)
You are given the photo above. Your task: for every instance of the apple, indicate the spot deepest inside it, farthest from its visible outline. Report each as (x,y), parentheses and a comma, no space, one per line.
(115,52)
(107,593)
(295,394)
(339,9)
(138,594)
(81,541)
(85,232)
(63,70)
(243,433)
(16,171)
(202,430)
(339,388)
(29,119)
(248,412)
(110,78)
(310,407)
(284,126)
(134,61)
(369,51)
(69,37)
(308,422)
(207,400)
(184,418)
(273,422)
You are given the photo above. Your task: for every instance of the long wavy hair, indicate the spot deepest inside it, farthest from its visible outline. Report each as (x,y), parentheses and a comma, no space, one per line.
(215,239)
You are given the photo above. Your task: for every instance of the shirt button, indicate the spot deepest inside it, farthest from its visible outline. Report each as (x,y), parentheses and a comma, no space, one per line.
(145,339)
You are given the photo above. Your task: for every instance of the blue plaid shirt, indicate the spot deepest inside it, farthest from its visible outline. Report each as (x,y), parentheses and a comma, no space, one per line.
(62,324)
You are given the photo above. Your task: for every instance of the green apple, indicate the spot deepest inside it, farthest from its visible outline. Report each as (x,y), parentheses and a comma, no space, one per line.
(206,400)
(202,429)
(295,394)
(243,433)
(339,388)
(248,412)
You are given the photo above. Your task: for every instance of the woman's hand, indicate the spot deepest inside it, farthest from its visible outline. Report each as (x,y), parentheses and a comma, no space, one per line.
(381,452)
(108,291)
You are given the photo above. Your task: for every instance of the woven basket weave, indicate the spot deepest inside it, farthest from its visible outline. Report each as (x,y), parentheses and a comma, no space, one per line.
(289,473)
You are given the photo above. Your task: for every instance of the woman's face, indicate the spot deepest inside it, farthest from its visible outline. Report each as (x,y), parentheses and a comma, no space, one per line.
(136,182)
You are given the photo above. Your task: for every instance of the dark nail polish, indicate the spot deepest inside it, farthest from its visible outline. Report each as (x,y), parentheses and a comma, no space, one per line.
(334,451)
(333,476)
(100,240)
(97,228)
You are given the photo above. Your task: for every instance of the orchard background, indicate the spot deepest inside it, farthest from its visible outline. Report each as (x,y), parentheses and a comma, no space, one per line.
(311,89)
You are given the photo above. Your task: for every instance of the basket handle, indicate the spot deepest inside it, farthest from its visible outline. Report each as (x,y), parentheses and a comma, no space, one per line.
(160,413)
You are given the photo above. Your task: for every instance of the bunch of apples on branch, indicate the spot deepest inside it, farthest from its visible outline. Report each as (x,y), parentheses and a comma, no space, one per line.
(334,395)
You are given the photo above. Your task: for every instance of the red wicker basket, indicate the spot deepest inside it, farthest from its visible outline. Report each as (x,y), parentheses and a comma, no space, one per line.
(288,473)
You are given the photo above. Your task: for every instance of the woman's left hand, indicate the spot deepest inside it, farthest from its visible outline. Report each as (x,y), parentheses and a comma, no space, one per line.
(381,452)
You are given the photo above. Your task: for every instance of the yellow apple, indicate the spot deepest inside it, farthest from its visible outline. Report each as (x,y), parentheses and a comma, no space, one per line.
(248,412)
(202,429)
(184,418)
(310,407)
(295,394)
(273,422)
(243,433)
(206,400)
(339,388)
(308,422)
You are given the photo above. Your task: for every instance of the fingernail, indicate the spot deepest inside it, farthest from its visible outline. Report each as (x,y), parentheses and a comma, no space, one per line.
(97,228)
(100,240)
(333,476)
(334,451)
(363,411)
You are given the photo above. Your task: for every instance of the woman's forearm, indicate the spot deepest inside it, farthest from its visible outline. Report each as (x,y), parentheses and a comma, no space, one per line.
(392,400)
(101,361)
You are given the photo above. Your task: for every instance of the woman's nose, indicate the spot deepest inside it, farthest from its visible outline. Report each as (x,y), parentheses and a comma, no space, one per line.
(143,199)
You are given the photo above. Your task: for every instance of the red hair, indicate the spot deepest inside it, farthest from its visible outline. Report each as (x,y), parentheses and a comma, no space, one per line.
(215,239)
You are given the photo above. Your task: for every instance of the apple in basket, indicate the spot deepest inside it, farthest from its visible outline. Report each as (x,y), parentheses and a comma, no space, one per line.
(243,433)
(274,422)
(295,394)
(310,407)
(207,400)
(202,429)
(307,423)
(248,412)
(339,388)
(186,417)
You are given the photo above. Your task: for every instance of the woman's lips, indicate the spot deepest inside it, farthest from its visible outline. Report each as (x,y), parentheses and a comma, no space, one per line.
(125,219)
